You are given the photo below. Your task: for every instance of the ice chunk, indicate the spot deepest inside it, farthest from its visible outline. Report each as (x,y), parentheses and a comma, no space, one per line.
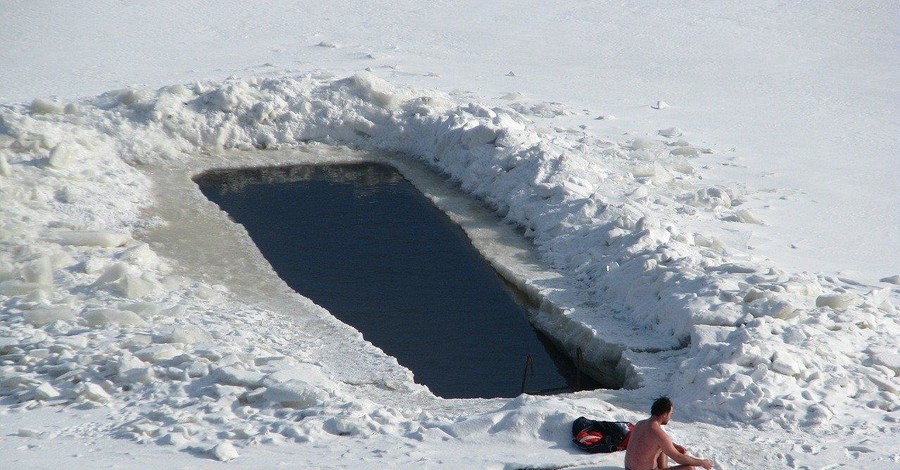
(17,287)
(39,353)
(541,109)
(174,311)
(889,359)
(141,255)
(45,316)
(144,309)
(108,316)
(643,171)
(45,106)
(223,99)
(878,298)
(207,293)
(301,387)
(836,301)
(670,132)
(710,197)
(640,193)
(374,89)
(295,394)
(682,166)
(137,374)
(197,369)
(895,279)
(93,238)
(157,352)
(772,308)
(174,282)
(686,151)
(137,341)
(4,166)
(478,135)
(6,343)
(39,271)
(660,105)
(645,144)
(224,452)
(787,364)
(76,342)
(72,108)
(723,316)
(112,274)
(92,392)
(710,242)
(45,391)
(9,378)
(179,90)
(122,282)
(62,155)
(237,376)
(188,334)
(817,414)
(884,384)
(734,268)
(28,432)
(703,335)
(745,217)
(176,439)
(130,96)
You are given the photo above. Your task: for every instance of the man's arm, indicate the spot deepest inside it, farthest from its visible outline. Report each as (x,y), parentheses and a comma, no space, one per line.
(669,448)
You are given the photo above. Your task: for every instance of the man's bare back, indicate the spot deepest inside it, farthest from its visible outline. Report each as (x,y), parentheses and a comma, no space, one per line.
(649,447)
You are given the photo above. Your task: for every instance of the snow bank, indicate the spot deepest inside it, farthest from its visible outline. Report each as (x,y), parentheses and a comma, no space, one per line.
(92,316)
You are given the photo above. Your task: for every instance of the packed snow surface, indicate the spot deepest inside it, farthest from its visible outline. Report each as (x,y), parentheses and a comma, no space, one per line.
(134,311)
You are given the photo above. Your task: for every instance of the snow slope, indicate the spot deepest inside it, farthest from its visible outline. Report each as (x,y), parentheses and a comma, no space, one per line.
(670,251)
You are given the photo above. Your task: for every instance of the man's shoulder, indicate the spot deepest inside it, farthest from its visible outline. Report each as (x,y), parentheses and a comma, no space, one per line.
(642,423)
(648,428)
(657,430)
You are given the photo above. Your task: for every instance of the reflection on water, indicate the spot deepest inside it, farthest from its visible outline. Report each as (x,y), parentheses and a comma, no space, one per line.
(362,242)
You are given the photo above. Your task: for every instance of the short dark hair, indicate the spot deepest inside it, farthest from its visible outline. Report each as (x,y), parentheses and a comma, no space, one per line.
(661,406)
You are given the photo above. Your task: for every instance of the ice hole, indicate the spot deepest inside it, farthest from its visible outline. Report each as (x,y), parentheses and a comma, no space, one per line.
(363,242)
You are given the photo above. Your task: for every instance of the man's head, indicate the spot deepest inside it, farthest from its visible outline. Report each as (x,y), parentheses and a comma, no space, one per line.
(662,409)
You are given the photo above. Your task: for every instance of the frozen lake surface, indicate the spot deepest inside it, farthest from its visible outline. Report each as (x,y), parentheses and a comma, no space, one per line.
(361,241)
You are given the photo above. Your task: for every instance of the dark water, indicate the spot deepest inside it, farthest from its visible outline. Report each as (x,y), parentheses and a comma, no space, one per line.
(361,241)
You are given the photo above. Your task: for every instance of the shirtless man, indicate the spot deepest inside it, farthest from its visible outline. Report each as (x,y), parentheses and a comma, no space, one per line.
(649,447)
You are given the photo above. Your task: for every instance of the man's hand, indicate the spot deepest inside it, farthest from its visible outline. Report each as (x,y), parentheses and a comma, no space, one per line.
(707,464)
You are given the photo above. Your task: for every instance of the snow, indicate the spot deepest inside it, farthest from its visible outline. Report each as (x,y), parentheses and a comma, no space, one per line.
(104,239)
(224,452)
(721,240)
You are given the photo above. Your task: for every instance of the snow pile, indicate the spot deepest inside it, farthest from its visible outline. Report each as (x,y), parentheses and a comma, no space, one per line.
(92,316)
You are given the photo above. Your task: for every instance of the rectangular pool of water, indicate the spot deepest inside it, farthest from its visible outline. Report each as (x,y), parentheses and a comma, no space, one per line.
(361,241)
